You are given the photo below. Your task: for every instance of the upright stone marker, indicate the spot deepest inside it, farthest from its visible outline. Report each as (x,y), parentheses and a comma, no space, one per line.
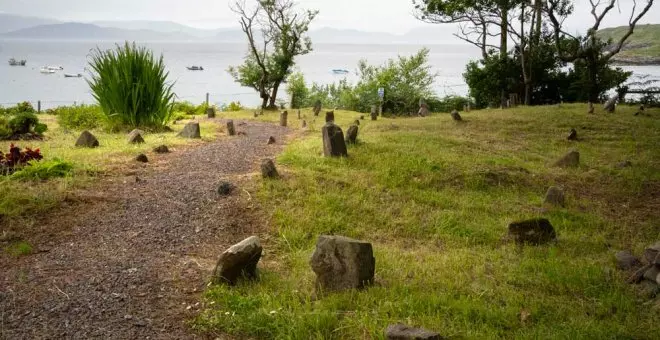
(572,135)
(191,130)
(330,116)
(333,141)
(240,260)
(423,108)
(351,134)
(610,104)
(555,196)
(268,169)
(87,140)
(535,231)
(374,112)
(456,116)
(317,107)
(210,112)
(283,118)
(231,130)
(571,159)
(341,263)
(299,114)
(135,137)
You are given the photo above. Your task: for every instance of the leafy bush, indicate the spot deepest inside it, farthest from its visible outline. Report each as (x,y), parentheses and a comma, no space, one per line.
(24,107)
(131,87)
(189,108)
(297,90)
(80,117)
(44,170)
(15,158)
(231,107)
(5,131)
(448,104)
(21,124)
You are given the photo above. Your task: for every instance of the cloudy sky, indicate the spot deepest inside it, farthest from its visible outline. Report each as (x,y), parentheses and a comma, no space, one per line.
(393,16)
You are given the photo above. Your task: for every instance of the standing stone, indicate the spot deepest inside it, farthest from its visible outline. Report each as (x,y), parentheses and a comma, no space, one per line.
(652,273)
(299,114)
(142,158)
(651,253)
(191,130)
(210,112)
(317,107)
(362,117)
(271,140)
(423,108)
(641,110)
(610,104)
(87,140)
(456,116)
(554,196)
(403,332)
(240,260)
(333,141)
(304,124)
(357,122)
(572,135)
(571,159)
(535,231)
(261,112)
(161,149)
(626,261)
(330,116)
(351,134)
(231,130)
(283,118)
(135,137)
(256,114)
(374,112)
(268,169)
(341,263)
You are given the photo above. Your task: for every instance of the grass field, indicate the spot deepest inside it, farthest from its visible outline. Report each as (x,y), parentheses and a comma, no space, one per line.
(21,200)
(435,198)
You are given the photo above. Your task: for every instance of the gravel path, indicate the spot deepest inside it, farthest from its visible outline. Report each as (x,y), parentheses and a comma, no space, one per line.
(129,258)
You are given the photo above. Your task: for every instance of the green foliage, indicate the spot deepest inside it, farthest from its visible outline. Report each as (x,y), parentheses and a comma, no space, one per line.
(24,107)
(5,131)
(131,87)
(20,248)
(189,108)
(297,90)
(333,95)
(80,117)
(231,107)
(449,103)
(20,124)
(45,170)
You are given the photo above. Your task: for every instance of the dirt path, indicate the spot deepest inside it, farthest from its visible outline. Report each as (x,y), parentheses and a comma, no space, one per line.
(129,258)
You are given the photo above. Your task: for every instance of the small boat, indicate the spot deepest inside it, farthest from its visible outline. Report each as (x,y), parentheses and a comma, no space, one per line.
(71,75)
(14,62)
(195,68)
(55,68)
(340,71)
(46,70)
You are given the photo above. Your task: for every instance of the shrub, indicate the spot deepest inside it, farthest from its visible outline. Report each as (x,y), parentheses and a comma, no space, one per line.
(5,131)
(185,107)
(231,107)
(15,158)
(80,117)
(21,124)
(449,103)
(297,90)
(44,170)
(24,107)
(131,87)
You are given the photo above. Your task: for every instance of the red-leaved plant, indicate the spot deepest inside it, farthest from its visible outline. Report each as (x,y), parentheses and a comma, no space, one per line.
(17,158)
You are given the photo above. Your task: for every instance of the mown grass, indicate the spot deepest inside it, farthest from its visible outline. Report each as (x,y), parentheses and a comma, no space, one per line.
(65,167)
(435,198)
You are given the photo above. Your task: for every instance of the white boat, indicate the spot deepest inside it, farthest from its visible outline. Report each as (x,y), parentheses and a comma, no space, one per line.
(14,62)
(46,70)
(340,71)
(55,68)
(71,75)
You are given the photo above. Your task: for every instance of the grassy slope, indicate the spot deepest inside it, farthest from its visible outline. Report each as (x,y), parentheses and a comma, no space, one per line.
(21,199)
(435,198)
(645,41)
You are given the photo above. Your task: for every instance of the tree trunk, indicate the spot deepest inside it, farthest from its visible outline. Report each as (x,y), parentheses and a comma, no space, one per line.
(504,32)
(273,95)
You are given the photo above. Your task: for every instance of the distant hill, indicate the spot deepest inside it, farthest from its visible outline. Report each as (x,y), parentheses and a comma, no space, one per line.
(158,26)
(74,31)
(10,22)
(642,48)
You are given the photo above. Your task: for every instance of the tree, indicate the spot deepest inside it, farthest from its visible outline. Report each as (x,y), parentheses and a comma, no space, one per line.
(589,50)
(281,32)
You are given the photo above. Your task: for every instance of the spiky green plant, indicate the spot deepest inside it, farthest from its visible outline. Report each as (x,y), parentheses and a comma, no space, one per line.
(131,86)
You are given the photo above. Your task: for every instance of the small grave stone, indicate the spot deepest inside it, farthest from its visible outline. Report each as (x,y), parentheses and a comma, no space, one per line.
(623,165)
(317,107)
(423,108)
(231,130)
(330,116)
(304,124)
(362,117)
(403,332)
(161,149)
(571,159)
(191,130)
(610,104)
(333,141)
(651,253)
(591,108)
(210,112)
(299,114)
(652,273)
(341,263)
(256,114)
(626,261)
(374,112)
(357,122)
(268,169)
(225,188)
(271,140)
(240,260)
(135,137)
(555,196)
(261,112)
(87,140)
(535,231)
(142,158)
(572,135)
(283,118)
(351,134)
(456,116)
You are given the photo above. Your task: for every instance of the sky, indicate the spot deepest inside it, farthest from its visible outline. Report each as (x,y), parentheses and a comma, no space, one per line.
(393,16)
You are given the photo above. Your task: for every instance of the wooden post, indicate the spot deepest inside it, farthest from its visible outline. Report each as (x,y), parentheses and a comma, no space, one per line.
(38,106)
(207,99)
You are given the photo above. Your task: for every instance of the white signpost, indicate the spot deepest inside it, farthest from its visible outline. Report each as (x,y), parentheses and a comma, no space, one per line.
(381,95)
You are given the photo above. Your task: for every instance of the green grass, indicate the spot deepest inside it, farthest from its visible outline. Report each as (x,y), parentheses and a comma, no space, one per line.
(645,41)
(435,198)
(20,248)
(34,190)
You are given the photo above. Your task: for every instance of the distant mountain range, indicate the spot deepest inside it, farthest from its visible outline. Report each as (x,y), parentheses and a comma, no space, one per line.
(20,27)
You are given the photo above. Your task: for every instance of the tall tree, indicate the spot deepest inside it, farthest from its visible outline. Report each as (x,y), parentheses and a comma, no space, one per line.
(276,33)
(589,49)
